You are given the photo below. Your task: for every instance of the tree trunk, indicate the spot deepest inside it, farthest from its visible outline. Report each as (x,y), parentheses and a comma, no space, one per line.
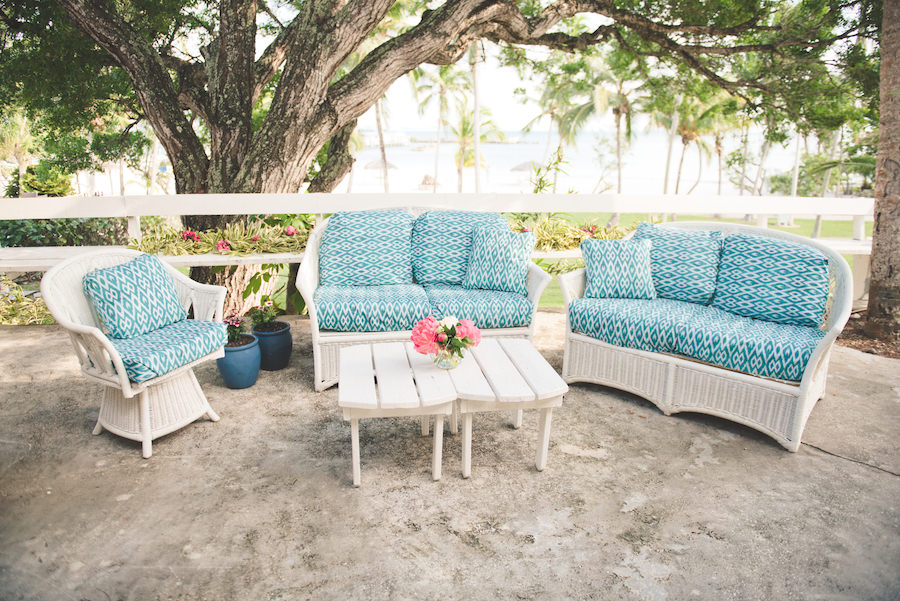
(437,145)
(744,148)
(22,169)
(817,224)
(460,164)
(476,119)
(761,170)
(883,318)
(673,132)
(699,168)
(384,163)
(680,165)
(618,152)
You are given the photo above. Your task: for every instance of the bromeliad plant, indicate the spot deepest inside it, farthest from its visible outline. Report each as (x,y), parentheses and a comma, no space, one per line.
(446,339)
(236,239)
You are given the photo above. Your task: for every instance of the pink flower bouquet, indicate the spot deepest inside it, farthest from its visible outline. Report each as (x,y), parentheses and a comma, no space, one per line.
(446,339)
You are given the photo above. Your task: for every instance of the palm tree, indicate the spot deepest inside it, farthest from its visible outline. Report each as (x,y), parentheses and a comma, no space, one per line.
(440,86)
(464,130)
(698,119)
(611,89)
(18,143)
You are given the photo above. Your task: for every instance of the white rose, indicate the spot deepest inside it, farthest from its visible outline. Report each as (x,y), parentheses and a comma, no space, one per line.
(449,321)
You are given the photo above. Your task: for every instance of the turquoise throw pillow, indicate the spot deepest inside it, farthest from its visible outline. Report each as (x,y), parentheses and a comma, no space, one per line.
(773,280)
(442,243)
(684,263)
(134,298)
(499,260)
(366,248)
(617,269)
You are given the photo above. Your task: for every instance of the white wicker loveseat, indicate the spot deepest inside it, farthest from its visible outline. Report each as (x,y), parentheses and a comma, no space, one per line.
(676,383)
(158,404)
(327,342)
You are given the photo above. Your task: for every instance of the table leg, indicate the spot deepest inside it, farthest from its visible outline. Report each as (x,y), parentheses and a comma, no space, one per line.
(467,445)
(437,453)
(517,419)
(425,425)
(454,419)
(543,438)
(354,448)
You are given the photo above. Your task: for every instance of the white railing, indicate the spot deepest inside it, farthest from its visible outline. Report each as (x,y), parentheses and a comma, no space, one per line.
(134,207)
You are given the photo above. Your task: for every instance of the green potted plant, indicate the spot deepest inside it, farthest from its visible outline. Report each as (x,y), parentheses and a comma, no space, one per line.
(239,367)
(274,336)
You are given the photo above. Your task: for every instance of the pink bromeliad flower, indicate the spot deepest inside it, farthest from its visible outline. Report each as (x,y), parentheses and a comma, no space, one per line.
(291,231)
(223,245)
(424,336)
(190,235)
(255,238)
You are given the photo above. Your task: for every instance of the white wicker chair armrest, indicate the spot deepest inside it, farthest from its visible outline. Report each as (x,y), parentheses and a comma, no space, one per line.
(572,285)
(207,300)
(308,273)
(537,282)
(98,357)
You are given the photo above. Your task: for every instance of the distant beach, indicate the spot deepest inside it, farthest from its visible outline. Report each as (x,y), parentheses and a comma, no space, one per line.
(411,157)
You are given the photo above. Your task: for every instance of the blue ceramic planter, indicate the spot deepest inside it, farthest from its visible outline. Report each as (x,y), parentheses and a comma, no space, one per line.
(240,365)
(275,347)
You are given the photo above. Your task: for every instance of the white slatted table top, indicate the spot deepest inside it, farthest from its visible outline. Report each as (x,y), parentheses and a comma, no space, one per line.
(392,376)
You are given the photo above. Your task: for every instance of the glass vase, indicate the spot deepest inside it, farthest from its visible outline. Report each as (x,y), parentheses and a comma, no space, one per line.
(445,360)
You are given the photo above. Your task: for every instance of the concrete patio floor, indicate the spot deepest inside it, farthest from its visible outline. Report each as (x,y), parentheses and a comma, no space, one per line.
(259,506)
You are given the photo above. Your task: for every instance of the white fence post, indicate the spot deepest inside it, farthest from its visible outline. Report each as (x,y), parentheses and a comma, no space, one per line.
(134,227)
(859,227)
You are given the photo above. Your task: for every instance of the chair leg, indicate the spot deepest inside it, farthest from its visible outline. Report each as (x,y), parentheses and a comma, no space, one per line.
(426,425)
(146,432)
(98,429)
(212,415)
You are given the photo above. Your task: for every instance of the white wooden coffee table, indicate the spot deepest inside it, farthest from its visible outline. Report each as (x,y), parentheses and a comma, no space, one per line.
(506,374)
(393,380)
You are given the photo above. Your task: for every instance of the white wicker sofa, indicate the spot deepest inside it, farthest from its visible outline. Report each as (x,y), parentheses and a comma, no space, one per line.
(427,257)
(674,382)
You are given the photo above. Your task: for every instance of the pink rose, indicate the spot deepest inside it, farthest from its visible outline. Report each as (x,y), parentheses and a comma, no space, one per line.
(424,336)
(442,337)
(468,329)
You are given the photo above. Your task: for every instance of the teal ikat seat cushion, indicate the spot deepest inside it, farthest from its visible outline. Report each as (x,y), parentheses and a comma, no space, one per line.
(158,352)
(499,260)
(644,324)
(752,346)
(617,269)
(684,263)
(391,308)
(134,298)
(442,243)
(367,248)
(487,308)
(773,280)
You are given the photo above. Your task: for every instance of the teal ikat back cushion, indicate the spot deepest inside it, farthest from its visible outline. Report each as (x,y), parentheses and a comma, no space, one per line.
(499,260)
(773,280)
(684,263)
(617,269)
(442,243)
(134,298)
(367,248)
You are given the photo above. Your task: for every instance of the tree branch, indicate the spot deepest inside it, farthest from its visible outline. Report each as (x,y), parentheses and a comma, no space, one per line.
(339,161)
(152,85)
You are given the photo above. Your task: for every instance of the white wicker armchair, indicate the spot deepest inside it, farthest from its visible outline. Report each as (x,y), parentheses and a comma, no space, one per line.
(162,404)
(326,343)
(673,383)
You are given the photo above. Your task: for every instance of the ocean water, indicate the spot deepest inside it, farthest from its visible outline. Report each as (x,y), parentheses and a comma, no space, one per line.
(589,166)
